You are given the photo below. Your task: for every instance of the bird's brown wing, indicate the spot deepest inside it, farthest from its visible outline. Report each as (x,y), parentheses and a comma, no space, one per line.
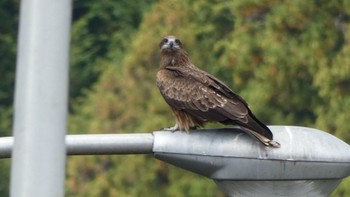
(253,123)
(192,91)
(205,97)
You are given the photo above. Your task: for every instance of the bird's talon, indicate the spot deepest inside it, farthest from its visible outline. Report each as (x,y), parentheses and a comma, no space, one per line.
(274,144)
(172,129)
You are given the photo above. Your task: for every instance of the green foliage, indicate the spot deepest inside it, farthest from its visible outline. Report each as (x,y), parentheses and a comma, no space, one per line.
(5,177)
(100,32)
(8,36)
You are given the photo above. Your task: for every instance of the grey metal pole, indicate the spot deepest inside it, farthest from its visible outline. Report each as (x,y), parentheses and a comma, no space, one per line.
(41,91)
(6,146)
(96,144)
(140,143)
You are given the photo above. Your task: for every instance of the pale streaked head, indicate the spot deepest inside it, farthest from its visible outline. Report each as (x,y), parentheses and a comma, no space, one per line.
(170,43)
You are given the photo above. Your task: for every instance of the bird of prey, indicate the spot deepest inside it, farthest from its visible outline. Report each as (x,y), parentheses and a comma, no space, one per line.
(197,97)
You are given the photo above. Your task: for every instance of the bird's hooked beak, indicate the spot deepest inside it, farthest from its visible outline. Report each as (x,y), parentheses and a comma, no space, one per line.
(171,44)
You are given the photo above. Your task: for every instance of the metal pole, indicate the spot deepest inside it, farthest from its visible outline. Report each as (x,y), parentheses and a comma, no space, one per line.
(96,144)
(6,146)
(110,144)
(41,91)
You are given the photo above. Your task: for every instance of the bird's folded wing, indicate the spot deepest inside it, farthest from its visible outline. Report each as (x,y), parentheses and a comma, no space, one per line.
(200,94)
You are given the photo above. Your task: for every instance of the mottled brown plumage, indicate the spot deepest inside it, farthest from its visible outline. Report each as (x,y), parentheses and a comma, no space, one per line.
(197,97)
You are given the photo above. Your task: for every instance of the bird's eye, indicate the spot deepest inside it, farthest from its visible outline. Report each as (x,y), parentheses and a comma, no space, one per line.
(177,41)
(163,42)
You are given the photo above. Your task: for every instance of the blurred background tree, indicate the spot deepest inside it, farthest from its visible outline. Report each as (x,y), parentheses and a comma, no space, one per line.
(289,60)
(8,39)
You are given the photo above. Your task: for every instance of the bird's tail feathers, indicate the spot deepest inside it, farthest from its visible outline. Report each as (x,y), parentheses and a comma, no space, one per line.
(257,126)
(266,141)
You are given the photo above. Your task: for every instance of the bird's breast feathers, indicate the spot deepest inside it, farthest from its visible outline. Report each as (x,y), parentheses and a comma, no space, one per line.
(185,92)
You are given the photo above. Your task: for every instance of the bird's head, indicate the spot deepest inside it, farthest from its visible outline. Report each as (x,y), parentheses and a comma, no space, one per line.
(170,43)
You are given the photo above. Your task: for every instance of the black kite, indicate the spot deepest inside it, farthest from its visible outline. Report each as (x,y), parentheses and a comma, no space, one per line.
(197,97)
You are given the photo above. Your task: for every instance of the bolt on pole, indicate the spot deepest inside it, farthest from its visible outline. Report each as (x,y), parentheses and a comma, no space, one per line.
(41,99)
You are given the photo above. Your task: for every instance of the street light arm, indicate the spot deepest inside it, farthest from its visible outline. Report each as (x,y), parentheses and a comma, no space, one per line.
(96,144)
